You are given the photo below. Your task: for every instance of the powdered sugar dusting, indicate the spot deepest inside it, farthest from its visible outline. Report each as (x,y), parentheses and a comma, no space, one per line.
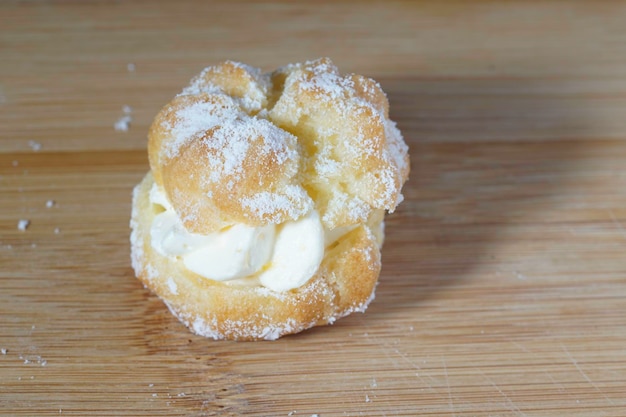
(200,86)
(359,307)
(202,328)
(228,136)
(231,143)
(171,284)
(151,272)
(254,96)
(194,121)
(236,328)
(136,238)
(388,179)
(372,257)
(269,205)
(259,325)
(398,149)
(332,85)
(248,68)
(355,209)
(327,80)
(326,165)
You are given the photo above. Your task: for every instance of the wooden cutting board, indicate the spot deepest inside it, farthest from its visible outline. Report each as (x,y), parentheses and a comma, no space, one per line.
(503,291)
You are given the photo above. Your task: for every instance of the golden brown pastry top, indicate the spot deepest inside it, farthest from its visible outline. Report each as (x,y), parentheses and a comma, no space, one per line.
(239,146)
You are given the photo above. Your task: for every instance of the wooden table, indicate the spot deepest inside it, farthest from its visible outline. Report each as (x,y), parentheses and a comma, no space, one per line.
(503,291)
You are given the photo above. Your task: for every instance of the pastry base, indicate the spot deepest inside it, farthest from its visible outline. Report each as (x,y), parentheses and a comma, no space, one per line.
(344,284)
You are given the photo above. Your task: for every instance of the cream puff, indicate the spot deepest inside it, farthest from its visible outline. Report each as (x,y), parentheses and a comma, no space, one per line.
(262,214)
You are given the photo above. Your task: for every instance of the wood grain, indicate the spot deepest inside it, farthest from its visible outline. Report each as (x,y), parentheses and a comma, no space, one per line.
(503,291)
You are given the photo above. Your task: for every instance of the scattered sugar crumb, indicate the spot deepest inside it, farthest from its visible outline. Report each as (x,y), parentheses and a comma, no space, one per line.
(33,359)
(131,67)
(34,145)
(155,394)
(367,399)
(150,385)
(33,245)
(123,123)
(291,413)
(181,394)
(23,224)
(519,275)
(4,351)
(374,383)
(15,163)
(57,230)
(315,415)
(50,203)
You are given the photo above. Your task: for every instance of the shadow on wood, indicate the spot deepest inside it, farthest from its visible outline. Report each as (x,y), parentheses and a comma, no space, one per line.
(485,154)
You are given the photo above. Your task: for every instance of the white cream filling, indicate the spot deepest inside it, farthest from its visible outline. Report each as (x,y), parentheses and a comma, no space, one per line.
(298,252)
(279,257)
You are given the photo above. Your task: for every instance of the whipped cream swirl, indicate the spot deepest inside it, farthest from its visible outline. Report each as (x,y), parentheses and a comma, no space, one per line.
(279,257)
